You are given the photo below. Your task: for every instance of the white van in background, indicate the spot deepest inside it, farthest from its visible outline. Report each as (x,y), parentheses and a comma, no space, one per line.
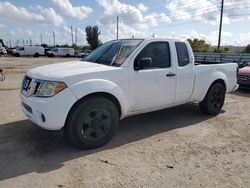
(2,49)
(35,51)
(66,52)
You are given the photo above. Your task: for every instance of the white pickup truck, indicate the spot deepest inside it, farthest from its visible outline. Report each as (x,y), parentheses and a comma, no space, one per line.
(119,79)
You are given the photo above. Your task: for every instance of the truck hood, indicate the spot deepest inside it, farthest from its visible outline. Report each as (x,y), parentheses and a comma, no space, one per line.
(60,71)
(245,70)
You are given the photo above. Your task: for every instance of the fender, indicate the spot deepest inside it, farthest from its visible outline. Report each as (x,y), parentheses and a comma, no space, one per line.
(86,87)
(204,84)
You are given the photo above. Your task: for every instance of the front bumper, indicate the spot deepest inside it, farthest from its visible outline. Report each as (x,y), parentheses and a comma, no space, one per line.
(49,113)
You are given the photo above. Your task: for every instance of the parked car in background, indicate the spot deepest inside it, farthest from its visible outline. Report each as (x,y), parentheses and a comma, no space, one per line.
(82,54)
(122,78)
(10,50)
(35,51)
(46,50)
(244,76)
(63,52)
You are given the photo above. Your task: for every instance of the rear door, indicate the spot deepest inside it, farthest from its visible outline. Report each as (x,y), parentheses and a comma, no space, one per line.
(186,73)
(154,86)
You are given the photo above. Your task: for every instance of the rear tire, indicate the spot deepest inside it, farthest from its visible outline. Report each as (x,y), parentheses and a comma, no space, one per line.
(67,55)
(214,99)
(36,55)
(16,54)
(92,122)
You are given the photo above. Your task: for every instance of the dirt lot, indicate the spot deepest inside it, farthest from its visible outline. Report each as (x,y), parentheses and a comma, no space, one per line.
(177,147)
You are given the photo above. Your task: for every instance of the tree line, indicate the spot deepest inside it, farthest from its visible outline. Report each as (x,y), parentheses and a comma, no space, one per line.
(199,45)
(92,37)
(93,33)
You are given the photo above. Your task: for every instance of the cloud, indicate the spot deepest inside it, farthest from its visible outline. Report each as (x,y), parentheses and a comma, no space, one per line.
(2,25)
(207,11)
(244,38)
(132,20)
(62,35)
(142,7)
(228,38)
(67,9)
(50,14)
(21,14)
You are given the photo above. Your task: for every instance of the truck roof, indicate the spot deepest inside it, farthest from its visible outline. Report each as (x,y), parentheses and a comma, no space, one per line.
(153,39)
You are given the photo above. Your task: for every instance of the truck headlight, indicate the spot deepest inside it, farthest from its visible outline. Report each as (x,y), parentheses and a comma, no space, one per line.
(50,88)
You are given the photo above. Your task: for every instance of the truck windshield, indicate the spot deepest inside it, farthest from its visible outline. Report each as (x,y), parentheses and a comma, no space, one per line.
(113,53)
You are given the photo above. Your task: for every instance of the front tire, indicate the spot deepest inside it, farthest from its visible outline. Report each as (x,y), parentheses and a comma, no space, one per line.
(92,122)
(214,99)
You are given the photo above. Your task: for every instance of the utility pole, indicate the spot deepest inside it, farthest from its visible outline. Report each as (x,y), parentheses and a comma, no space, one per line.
(76,36)
(41,36)
(221,19)
(54,38)
(30,41)
(117,27)
(72,35)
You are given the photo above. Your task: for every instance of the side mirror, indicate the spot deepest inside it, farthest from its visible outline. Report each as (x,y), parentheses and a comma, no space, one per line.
(144,62)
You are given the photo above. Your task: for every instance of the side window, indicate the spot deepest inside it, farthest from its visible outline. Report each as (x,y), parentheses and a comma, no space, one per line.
(182,54)
(157,52)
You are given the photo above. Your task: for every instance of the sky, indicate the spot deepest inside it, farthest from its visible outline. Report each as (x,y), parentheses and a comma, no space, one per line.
(25,20)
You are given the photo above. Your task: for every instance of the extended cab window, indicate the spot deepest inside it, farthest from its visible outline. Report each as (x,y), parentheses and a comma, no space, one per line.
(157,53)
(182,54)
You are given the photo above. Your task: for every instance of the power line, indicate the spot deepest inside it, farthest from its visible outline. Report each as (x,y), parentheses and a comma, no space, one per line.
(171,11)
(176,24)
(183,15)
(178,18)
(186,5)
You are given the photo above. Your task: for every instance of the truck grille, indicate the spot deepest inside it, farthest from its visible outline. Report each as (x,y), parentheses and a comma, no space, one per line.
(30,86)
(243,77)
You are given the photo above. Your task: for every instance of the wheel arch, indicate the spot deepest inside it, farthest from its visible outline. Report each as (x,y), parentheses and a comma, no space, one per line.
(202,86)
(219,80)
(106,95)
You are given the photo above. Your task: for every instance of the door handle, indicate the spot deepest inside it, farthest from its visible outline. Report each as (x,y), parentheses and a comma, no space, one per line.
(170,74)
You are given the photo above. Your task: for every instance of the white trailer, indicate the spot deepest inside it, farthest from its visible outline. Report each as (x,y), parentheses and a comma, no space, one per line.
(66,52)
(35,51)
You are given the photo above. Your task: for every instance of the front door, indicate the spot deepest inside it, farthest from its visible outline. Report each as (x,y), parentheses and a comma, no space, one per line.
(152,85)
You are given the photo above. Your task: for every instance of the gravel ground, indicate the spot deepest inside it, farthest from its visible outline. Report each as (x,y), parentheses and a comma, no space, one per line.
(177,147)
